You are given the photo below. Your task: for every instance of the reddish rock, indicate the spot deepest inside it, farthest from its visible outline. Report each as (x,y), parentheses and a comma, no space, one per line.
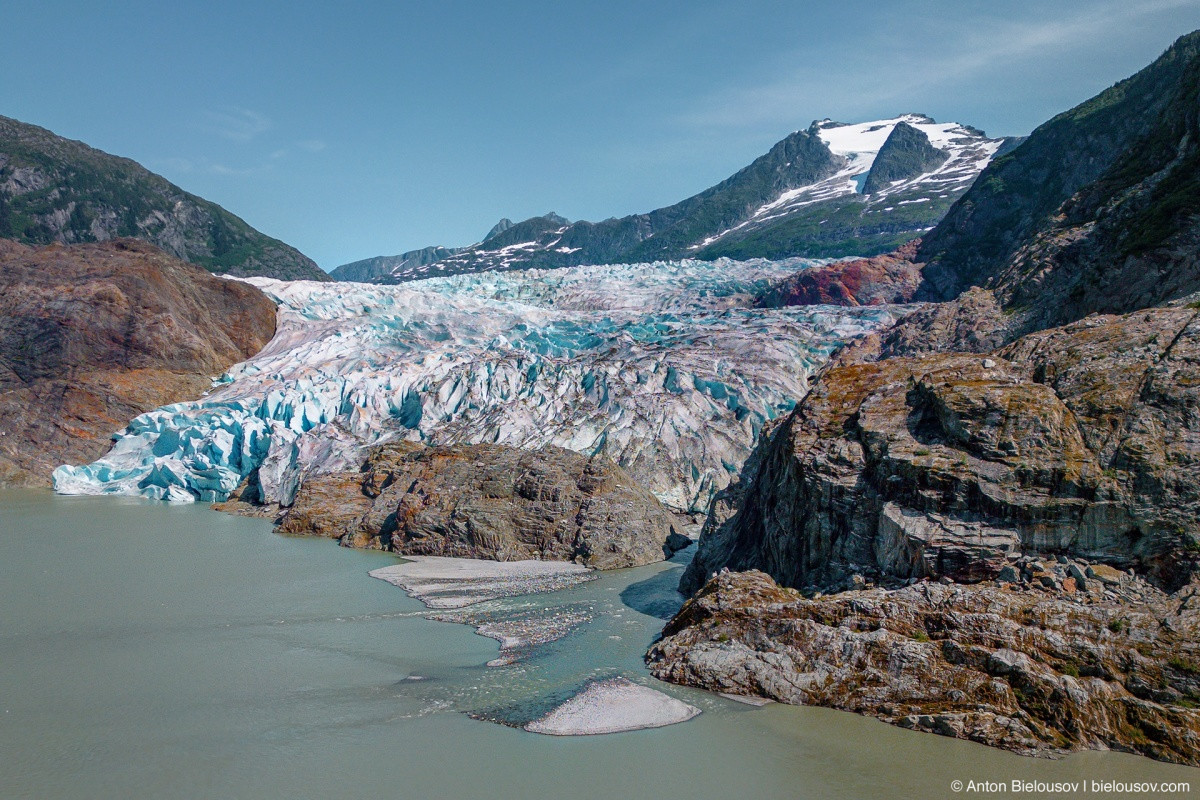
(92,335)
(888,278)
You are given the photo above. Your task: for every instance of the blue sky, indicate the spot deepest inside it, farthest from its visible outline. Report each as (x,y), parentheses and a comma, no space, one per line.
(379,127)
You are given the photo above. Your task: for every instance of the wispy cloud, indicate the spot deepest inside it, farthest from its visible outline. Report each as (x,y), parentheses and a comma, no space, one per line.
(223,169)
(891,69)
(236,124)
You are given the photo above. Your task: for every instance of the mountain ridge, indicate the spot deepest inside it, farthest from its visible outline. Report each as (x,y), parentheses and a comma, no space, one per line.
(54,189)
(803,197)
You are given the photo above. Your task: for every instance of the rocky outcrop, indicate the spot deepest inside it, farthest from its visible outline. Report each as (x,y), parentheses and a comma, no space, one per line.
(1079,440)
(488,501)
(1015,665)
(93,335)
(1003,487)
(888,278)
(58,190)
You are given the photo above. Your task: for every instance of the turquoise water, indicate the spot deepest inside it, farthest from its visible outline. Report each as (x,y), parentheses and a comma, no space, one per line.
(163,651)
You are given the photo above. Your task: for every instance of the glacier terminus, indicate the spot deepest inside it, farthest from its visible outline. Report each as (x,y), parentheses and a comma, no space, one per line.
(665,368)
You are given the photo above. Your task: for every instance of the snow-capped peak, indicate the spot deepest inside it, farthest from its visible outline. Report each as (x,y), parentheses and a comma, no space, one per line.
(859,143)
(865,139)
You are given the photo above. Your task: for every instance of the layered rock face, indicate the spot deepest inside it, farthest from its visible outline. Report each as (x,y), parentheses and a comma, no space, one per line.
(488,501)
(1081,440)
(1046,414)
(1033,670)
(92,335)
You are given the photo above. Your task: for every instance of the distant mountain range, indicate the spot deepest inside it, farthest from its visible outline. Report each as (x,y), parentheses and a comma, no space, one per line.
(59,190)
(830,190)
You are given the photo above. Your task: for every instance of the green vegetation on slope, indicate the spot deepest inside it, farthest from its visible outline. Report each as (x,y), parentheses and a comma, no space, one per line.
(58,190)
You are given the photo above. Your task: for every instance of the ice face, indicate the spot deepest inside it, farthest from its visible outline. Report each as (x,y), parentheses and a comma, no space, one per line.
(664,368)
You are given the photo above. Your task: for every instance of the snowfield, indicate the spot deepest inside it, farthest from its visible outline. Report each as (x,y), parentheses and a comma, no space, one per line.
(663,367)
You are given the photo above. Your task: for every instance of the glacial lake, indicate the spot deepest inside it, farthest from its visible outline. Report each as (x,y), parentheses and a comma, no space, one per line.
(157,651)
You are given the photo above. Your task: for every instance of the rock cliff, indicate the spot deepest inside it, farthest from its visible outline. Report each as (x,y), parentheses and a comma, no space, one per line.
(1045,414)
(93,335)
(1079,440)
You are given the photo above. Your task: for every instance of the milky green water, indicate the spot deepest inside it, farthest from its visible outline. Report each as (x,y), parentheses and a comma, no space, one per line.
(175,652)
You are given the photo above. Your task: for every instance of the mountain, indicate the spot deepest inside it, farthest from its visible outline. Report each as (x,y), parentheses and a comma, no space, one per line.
(1130,151)
(1098,211)
(998,497)
(907,153)
(500,227)
(435,262)
(921,171)
(412,262)
(59,190)
(829,190)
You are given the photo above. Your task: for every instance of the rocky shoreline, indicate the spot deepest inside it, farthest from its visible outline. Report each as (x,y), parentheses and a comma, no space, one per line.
(1036,670)
(485,501)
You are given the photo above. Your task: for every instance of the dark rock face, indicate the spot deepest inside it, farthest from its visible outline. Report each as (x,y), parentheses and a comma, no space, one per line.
(905,154)
(93,335)
(889,278)
(1080,440)
(488,501)
(58,190)
(500,227)
(1019,666)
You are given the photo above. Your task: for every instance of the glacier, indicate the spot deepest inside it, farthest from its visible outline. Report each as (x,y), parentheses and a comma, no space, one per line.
(665,368)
